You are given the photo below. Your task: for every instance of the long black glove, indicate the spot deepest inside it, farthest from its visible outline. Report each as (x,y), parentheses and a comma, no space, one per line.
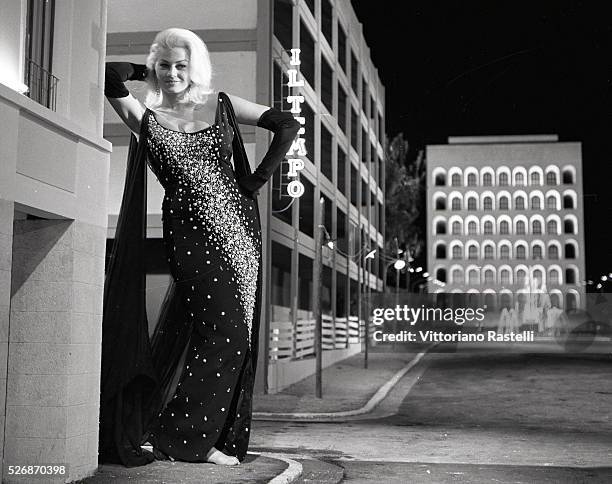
(116,73)
(285,128)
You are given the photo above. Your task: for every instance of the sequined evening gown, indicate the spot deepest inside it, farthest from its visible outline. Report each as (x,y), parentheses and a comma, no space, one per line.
(212,239)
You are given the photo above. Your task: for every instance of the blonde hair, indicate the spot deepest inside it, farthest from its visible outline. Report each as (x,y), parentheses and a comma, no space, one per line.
(200,68)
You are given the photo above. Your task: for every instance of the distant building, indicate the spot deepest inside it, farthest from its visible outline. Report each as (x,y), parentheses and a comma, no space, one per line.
(505,216)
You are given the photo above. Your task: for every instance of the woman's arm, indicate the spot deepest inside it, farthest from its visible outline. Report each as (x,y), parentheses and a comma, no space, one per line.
(285,128)
(127,106)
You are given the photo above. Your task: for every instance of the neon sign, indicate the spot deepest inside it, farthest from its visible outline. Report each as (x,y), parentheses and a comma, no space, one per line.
(295,188)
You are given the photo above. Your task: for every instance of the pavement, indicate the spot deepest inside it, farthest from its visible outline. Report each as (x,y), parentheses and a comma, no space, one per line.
(347,386)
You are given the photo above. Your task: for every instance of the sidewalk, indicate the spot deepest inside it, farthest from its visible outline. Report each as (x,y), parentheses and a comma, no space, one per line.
(346,386)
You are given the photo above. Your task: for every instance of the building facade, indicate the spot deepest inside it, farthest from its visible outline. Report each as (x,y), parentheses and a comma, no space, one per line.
(505,217)
(53,214)
(250,44)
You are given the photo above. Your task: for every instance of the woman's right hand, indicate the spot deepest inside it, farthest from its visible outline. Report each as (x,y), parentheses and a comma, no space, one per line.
(129,109)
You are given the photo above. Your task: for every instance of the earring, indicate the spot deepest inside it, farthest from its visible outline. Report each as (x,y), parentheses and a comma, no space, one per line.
(157,91)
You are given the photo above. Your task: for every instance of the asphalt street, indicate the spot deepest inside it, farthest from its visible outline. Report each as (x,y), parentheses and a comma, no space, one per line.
(518,418)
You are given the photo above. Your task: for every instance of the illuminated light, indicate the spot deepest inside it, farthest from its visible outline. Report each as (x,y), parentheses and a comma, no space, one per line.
(604,278)
(299,146)
(330,244)
(599,286)
(295,165)
(295,57)
(295,102)
(295,189)
(425,274)
(370,255)
(399,264)
(419,269)
(293,81)
(410,269)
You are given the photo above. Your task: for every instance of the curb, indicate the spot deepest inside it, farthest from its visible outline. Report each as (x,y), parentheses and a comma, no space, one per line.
(379,396)
(290,474)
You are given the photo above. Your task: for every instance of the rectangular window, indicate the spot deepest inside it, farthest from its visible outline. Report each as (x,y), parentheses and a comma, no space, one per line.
(326,152)
(307,54)
(42,85)
(280,89)
(354,181)
(283,20)
(342,48)
(381,128)
(309,119)
(341,170)
(365,100)
(341,231)
(327,89)
(341,108)
(326,20)
(354,129)
(305,283)
(364,147)
(280,206)
(281,275)
(354,74)
(307,208)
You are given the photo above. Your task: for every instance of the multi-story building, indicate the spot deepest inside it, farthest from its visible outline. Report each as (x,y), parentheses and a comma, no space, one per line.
(505,216)
(250,42)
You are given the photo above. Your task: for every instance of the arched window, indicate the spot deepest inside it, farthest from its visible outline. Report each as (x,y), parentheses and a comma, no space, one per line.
(555,300)
(504,227)
(551,227)
(504,276)
(472,203)
(537,252)
(456,228)
(570,301)
(568,177)
(551,202)
(503,180)
(535,203)
(440,227)
(570,276)
(440,180)
(505,300)
(472,229)
(457,252)
(456,180)
(489,277)
(568,201)
(441,251)
(520,252)
(471,180)
(519,179)
(503,203)
(553,276)
(473,276)
(551,178)
(489,253)
(520,203)
(568,226)
(504,252)
(570,251)
(487,203)
(473,252)
(520,276)
(487,180)
(520,227)
(456,203)
(457,276)
(488,227)
(441,275)
(537,276)
(536,227)
(553,252)
(440,203)
(535,178)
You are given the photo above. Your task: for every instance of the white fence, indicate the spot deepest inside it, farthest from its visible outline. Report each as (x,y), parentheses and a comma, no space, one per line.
(289,342)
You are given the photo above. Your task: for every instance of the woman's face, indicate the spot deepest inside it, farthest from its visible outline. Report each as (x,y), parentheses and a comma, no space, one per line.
(172,70)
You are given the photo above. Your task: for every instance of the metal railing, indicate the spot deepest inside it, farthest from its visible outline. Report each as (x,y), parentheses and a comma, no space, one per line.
(42,85)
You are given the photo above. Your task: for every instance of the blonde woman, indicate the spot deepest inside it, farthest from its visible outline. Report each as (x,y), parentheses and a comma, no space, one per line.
(211,234)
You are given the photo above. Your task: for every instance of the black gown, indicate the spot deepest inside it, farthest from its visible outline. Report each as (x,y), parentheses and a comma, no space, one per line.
(207,334)
(212,239)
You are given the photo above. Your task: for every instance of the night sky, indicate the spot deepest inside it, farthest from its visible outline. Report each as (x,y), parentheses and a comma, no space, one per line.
(481,68)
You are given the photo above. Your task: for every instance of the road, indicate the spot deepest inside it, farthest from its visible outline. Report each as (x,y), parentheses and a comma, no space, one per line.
(468,418)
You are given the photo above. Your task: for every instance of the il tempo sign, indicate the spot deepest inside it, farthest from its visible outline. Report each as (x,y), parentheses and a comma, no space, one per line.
(295,188)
